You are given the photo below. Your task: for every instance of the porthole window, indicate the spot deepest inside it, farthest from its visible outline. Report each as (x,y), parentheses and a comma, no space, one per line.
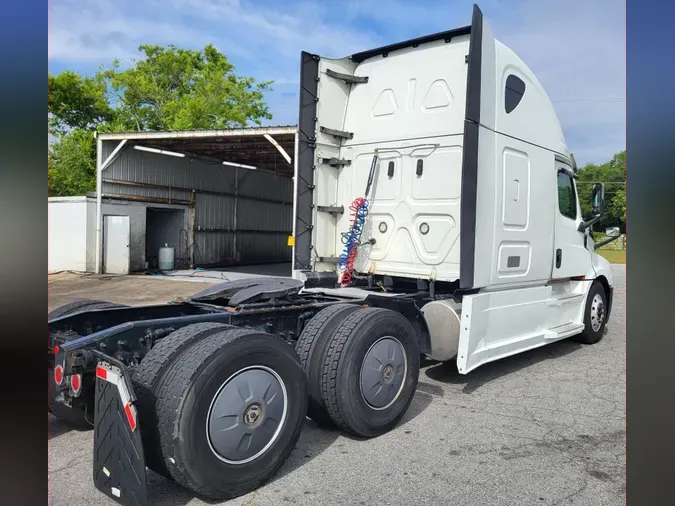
(513,94)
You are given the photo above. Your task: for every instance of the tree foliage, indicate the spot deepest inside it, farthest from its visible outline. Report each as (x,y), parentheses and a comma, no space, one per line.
(183,89)
(169,88)
(76,101)
(613,175)
(71,166)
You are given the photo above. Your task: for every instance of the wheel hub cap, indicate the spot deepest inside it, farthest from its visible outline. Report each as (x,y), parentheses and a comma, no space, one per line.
(252,414)
(388,373)
(597,312)
(246,415)
(383,373)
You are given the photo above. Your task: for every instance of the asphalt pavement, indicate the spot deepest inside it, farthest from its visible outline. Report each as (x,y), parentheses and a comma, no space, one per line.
(546,427)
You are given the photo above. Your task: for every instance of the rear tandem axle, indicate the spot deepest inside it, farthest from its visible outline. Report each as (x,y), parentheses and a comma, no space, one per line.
(212,392)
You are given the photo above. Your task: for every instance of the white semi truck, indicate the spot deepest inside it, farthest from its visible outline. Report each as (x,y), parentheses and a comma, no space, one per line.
(436,214)
(473,195)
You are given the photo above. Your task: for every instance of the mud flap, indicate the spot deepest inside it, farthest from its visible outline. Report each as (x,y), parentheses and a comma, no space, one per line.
(119,462)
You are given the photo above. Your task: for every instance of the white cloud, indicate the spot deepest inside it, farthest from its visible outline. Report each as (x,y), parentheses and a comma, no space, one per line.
(97,32)
(575,47)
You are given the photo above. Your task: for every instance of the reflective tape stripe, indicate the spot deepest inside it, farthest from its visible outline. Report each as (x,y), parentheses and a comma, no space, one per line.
(106,374)
(111,377)
(130,411)
(124,393)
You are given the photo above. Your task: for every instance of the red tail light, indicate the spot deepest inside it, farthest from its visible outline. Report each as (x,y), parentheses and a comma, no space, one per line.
(58,374)
(76,383)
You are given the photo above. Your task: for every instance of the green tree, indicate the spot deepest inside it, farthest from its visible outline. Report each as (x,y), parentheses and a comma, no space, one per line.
(613,175)
(71,165)
(184,89)
(76,101)
(167,89)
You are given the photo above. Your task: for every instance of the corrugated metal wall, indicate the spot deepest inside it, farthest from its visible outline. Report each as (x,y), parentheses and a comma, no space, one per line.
(263,210)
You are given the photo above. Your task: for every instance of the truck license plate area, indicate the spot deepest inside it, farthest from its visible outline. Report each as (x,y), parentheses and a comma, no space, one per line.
(119,462)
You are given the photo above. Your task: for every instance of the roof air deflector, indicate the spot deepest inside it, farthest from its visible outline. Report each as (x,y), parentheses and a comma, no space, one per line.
(385,50)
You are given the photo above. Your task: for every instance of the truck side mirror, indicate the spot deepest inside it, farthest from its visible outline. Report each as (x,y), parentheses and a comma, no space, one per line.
(612,232)
(598,200)
(598,205)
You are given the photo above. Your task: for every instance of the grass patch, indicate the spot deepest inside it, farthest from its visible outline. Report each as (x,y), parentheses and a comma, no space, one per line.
(615,256)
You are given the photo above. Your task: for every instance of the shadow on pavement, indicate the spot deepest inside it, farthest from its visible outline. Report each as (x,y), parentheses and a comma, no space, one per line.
(314,440)
(58,427)
(446,372)
(419,403)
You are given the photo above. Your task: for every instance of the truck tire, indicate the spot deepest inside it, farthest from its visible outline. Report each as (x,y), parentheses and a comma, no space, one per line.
(311,348)
(249,383)
(146,379)
(77,417)
(370,372)
(595,316)
(81,305)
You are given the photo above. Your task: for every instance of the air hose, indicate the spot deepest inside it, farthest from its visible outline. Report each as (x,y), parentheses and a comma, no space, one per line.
(352,238)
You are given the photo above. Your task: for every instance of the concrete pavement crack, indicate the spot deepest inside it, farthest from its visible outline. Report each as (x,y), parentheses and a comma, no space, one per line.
(67,465)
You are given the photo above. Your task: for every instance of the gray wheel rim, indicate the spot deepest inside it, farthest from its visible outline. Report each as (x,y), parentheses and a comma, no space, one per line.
(246,415)
(597,312)
(383,373)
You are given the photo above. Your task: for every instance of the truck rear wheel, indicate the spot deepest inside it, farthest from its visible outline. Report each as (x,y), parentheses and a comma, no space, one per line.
(230,412)
(147,377)
(370,372)
(595,315)
(77,417)
(311,348)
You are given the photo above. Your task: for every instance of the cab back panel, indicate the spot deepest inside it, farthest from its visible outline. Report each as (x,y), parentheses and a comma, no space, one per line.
(453,194)
(414,93)
(412,111)
(403,203)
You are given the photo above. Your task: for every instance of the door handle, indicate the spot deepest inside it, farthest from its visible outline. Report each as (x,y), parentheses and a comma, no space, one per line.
(558,258)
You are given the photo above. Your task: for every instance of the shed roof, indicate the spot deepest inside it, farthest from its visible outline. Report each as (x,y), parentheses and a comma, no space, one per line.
(247,146)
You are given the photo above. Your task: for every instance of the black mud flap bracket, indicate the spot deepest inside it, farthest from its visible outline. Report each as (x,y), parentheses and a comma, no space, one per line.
(119,461)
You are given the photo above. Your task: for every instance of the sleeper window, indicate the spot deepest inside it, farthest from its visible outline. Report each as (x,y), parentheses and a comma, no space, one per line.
(513,94)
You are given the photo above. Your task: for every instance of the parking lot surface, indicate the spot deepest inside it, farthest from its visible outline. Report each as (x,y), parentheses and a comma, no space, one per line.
(546,427)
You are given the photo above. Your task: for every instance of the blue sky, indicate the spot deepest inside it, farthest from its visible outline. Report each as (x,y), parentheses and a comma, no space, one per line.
(575,47)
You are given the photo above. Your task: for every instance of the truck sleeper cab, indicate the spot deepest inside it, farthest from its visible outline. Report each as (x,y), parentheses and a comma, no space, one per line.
(469,244)
(473,195)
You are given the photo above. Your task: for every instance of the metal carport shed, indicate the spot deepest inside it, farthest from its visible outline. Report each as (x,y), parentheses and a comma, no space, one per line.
(218,197)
